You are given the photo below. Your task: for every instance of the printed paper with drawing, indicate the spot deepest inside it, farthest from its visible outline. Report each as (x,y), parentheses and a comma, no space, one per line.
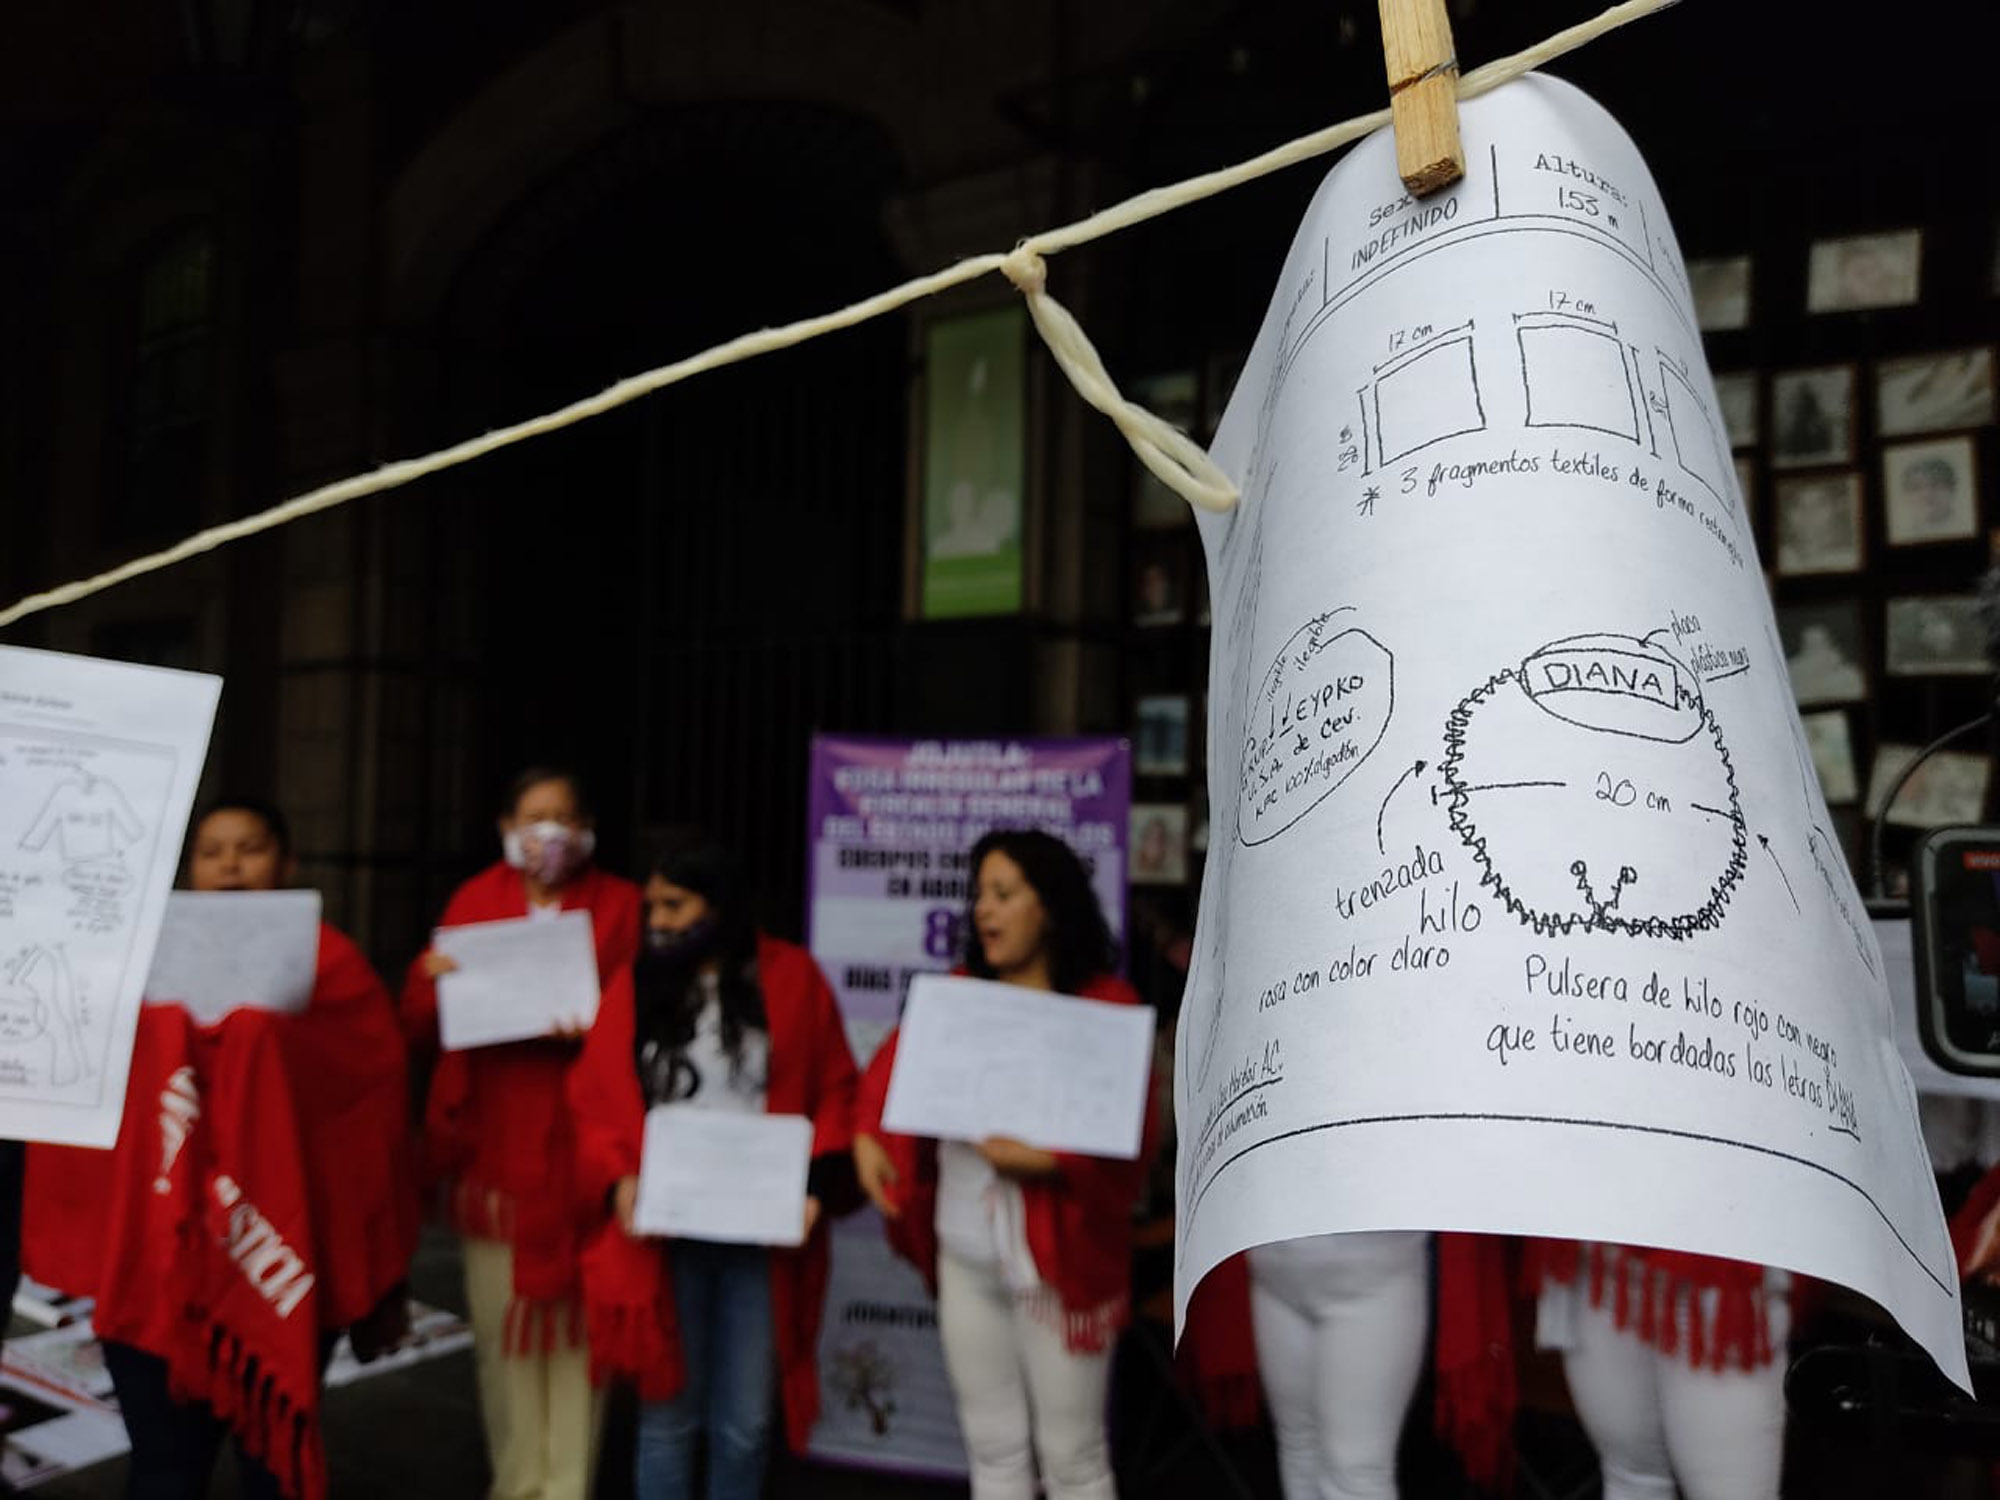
(1522,912)
(722,1174)
(516,979)
(224,950)
(98,767)
(977,1059)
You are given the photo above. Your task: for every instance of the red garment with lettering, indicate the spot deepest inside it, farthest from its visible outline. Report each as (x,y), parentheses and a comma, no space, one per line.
(350,1084)
(634,1330)
(206,1254)
(344,1058)
(498,1139)
(1079,1221)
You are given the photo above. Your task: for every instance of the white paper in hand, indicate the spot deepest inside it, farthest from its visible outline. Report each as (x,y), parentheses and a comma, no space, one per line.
(232,950)
(977,1059)
(725,1175)
(1522,912)
(516,979)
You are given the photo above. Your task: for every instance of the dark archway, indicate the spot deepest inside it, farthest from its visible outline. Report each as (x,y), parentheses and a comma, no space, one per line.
(673,597)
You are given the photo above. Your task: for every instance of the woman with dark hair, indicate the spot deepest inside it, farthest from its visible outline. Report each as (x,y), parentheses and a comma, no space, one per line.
(1029,1251)
(499,1149)
(717,1016)
(305,1117)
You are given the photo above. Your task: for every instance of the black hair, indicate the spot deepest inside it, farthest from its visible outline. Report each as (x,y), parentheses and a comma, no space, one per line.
(263,811)
(1077,939)
(534,776)
(666,995)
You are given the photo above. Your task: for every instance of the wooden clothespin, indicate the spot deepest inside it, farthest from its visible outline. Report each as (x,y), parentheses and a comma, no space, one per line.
(1423,93)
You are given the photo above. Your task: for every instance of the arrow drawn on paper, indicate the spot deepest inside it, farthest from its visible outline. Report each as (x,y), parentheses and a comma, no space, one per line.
(1766,842)
(1415,770)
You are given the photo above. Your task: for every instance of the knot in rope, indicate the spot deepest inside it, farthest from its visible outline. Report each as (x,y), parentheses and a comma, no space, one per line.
(1172,457)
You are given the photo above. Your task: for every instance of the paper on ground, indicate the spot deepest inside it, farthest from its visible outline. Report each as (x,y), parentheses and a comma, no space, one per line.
(713,1174)
(98,767)
(516,979)
(229,950)
(1522,912)
(977,1059)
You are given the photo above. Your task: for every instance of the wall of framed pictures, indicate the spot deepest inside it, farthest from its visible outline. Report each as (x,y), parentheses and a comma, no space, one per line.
(1856,378)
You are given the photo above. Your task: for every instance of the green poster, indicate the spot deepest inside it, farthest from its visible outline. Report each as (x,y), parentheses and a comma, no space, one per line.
(975,446)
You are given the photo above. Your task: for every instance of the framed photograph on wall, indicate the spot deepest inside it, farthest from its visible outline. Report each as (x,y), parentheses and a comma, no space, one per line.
(975,463)
(1161,739)
(1720,287)
(1159,833)
(1930,491)
(1948,788)
(1824,652)
(1159,581)
(1175,398)
(1736,394)
(1934,392)
(1864,271)
(1832,749)
(1819,524)
(1812,417)
(1935,635)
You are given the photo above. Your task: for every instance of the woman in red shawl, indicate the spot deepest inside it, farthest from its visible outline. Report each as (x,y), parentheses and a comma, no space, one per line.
(716,1017)
(285,1138)
(499,1147)
(1029,1251)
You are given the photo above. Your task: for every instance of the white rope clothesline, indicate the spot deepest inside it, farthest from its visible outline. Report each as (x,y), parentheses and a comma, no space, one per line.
(1176,459)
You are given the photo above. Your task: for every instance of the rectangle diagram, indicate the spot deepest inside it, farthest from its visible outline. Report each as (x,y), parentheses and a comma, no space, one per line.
(1426,397)
(1575,375)
(1698,441)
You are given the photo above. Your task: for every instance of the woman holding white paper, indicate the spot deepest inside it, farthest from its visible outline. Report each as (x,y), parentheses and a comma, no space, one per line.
(1029,1251)
(717,1017)
(499,1148)
(305,1116)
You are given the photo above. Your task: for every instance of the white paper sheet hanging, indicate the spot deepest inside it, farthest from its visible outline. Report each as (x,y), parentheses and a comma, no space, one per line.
(98,767)
(1522,912)
(228,950)
(713,1174)
(977,1059)
(516,979)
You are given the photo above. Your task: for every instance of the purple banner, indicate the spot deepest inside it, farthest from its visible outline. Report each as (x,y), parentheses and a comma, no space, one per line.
(891,824)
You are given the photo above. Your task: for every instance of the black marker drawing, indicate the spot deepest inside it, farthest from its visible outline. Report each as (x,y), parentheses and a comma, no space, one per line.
(1573,369)
(38,1000)
(1698,441)
(1415,770)
(1318,714)
(1832,866)
(89,819)
(1594,789)
(1426,396)
(1766,842)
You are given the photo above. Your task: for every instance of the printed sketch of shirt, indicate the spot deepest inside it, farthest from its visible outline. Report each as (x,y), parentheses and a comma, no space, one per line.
(90,818)
(35,1002)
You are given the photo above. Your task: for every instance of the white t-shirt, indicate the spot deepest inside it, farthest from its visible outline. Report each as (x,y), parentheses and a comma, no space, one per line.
(700,1072)
(982,1218)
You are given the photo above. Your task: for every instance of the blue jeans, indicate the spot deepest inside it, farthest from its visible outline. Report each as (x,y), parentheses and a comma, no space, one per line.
(723,1295)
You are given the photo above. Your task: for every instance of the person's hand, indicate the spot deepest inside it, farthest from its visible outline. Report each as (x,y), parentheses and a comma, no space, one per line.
(384,1327)
(568,1030)
(436,965)
(1010,1158)
(878,1174)
(812,1217)
(625,1198)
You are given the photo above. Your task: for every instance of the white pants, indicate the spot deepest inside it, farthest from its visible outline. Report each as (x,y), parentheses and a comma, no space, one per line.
(540,1411)
(1655,1419)
(1021,1394)
(1341,1323)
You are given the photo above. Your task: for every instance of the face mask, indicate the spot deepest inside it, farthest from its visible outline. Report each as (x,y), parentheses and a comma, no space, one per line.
(549,852)
(688,946)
